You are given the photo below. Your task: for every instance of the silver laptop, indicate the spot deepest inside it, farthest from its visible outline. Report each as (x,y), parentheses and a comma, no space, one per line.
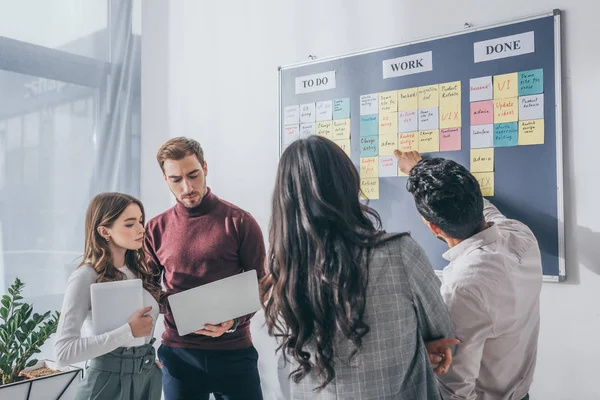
(215,302)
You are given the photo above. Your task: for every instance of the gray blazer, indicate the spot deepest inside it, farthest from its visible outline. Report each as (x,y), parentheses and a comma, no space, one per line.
(404,310)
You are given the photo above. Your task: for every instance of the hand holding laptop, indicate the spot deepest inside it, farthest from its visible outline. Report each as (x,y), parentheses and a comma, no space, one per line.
(141,324)
(215,330)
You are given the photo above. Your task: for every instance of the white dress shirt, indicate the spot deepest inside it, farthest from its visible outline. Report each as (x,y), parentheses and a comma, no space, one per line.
(492,290)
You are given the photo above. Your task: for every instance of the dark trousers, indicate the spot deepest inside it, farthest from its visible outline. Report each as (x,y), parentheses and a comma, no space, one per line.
(195,374)
(526,397)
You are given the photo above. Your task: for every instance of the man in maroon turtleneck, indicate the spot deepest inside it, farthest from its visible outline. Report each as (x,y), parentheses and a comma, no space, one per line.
(200,240)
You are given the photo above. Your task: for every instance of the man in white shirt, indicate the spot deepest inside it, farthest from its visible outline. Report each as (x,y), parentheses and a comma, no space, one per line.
(491,285)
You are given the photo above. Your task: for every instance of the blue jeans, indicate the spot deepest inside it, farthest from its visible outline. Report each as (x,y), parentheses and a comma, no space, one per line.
(195,374)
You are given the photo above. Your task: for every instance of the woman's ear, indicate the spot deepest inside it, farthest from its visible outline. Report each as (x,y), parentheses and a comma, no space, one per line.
(104,232)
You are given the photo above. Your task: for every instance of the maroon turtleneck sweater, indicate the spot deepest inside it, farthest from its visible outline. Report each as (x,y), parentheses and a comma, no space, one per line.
(192,247)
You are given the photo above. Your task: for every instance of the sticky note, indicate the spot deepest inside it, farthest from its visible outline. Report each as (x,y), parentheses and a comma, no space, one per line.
(369,145)
(307,130)
(387,144)
(388,166)
(482,113)
(450,116)
(482,136)
(388,102)
(369,104)
(408,99)
(482,160)
(341,129)
(369,167)
(506,110)
(428,96)
(345,145)
(408,121)
(307,113)
(481,89)
(408,141)
(388,123)
(531,107)
(369,188)
(486,183)
(531,82)
(341,108)
(506,86)
(531,132)
(290,133)
(506,134)
(369,125)
(291,115)
(325,128)
(324,110)
(450,95)
(429,118)
(450,139)
(429,141)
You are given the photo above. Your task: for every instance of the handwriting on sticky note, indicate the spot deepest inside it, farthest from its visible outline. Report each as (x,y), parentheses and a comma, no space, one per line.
(307,130)
(482,136)
(450,139)
(531,107)
(450,116)
(388,123)
(290,133)
(369,188)
(486,183)
(307,113)
(506,134)
(450,94)
(291,115)
(506,86)
(345,145)
(388,102)
(408,121)
(369,125)
(481,89)
(324,110)
(369,145)
(482,160)
(388,166)
(429,141)
(341,129)
(325,128)
(429,118)
(369,167)
(506,110)
(369,104)
(482,113)
(531,132)
(531,82)
(387,144)
(428,96)
(408,141)
(341,108)
(408,99)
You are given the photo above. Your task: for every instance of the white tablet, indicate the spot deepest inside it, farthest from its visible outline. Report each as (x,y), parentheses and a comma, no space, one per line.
(215,302)
(114,304)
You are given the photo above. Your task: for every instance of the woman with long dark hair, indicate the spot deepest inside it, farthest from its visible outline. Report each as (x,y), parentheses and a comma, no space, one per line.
(351,305)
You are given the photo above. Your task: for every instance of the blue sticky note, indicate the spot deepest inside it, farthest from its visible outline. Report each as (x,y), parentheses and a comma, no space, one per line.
(506,135)
(531,82)
(369,125)
(341,108)
(369,146)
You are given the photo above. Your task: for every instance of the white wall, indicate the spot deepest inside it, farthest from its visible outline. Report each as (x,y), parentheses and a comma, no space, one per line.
(217,79)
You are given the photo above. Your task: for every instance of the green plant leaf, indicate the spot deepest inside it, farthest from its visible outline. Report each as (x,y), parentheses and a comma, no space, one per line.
(31,363)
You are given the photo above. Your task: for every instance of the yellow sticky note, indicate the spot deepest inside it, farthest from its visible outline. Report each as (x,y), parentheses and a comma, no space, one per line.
(428,96)
(325,128)
(369,188)
(506,86)
(341,129)
(450,94)
(429,141)
(450,116)
(388,102)
(388,123)
(408,141)
(506,110)
(387,144)
(369,167)
(345,145)
(482,160)
(486,182)
(531,132)
(408,99)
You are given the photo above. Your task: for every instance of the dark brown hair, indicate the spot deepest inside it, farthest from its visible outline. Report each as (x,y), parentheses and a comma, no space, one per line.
(178,148)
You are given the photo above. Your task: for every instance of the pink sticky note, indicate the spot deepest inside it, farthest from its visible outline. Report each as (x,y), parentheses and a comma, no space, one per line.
(450,139)
(482,113)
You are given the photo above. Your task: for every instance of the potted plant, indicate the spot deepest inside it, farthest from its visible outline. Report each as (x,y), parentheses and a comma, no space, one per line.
(22,333)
